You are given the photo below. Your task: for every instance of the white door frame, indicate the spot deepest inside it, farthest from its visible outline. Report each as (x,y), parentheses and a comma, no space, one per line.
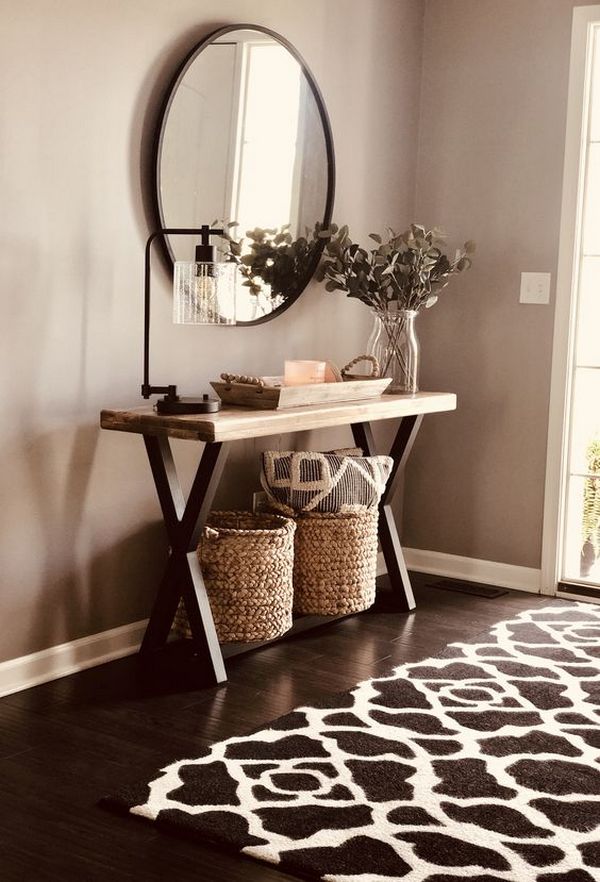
(584,18)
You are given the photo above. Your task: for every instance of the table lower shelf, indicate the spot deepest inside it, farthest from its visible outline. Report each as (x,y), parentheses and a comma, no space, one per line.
(179,662)
(182,646)
(302,623)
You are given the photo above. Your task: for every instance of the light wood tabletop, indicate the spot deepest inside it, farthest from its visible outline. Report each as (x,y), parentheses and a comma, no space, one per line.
(235,423)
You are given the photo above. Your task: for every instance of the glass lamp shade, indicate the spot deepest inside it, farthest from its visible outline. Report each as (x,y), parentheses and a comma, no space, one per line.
(204,293)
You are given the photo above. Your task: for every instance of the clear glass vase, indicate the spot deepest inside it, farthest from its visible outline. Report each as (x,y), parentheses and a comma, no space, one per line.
(395,345)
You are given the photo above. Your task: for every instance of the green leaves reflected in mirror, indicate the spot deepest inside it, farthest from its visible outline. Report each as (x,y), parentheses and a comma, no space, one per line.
(407,270)
(274,265)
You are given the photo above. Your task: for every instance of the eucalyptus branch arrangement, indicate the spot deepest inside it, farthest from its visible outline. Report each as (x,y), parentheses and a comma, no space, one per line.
(406,271)
(401,273)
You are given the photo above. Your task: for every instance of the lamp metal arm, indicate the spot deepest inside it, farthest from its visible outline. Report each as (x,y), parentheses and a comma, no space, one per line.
(147,389)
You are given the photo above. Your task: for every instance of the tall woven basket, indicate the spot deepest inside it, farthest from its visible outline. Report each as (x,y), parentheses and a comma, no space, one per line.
(247,564)
(335,562)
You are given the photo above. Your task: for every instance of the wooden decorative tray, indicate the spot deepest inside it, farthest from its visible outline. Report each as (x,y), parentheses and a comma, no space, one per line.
(278,397)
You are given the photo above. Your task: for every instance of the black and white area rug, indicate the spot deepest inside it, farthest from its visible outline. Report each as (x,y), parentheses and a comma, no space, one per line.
(483,764)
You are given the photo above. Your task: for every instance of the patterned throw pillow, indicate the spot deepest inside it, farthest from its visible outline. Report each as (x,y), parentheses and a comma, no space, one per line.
(325,482)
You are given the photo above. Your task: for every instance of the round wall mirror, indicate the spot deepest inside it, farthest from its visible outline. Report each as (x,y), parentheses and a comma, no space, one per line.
(244,140)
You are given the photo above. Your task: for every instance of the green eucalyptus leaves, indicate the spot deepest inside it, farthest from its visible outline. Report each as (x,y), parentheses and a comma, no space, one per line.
(407,270)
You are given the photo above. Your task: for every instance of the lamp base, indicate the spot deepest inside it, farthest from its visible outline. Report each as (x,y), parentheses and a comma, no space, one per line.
(188,405)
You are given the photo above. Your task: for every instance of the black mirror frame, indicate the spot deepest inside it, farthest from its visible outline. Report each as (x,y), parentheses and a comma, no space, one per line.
(327,133)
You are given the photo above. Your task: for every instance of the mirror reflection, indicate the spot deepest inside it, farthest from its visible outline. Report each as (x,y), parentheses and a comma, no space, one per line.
(244,141)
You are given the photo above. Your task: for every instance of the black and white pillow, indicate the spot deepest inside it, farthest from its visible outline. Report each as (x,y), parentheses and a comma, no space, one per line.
(324,482)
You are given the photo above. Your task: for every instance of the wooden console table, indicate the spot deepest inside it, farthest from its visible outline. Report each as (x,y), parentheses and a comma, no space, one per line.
(184,520)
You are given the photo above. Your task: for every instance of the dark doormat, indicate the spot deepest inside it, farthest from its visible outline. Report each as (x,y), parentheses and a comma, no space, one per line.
(475,588)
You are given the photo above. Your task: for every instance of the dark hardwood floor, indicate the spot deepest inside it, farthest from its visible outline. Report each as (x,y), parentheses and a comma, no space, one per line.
(65,744)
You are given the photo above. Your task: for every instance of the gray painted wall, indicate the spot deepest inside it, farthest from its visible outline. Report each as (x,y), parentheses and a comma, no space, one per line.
(80,533)
(491,147)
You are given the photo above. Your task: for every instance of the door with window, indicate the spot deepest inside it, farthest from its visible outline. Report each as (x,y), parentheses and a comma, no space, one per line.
(571,565)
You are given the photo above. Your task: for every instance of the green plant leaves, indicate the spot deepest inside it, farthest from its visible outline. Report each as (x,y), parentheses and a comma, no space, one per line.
(408,268)
(276,259)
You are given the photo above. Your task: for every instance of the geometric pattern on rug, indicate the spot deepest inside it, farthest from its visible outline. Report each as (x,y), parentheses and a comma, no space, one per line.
(483,763)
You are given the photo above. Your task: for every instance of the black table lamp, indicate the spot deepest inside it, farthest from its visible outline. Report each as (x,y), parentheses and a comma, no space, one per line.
(203,294)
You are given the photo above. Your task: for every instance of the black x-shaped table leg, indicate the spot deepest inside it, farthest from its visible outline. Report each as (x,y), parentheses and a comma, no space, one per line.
(388,534)
(183,577)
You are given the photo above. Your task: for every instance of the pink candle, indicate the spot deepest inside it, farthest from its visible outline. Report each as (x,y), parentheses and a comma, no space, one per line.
(302,373)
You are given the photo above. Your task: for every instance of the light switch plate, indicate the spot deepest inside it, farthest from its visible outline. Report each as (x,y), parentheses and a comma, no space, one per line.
(535,288)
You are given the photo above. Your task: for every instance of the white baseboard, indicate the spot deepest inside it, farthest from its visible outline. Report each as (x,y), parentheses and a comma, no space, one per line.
(453,566)
(68,658)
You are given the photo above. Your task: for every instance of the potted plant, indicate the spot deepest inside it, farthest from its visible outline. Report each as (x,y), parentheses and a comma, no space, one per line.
(399,276)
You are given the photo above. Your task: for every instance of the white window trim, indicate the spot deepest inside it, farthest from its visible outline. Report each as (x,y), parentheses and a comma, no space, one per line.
(584,18)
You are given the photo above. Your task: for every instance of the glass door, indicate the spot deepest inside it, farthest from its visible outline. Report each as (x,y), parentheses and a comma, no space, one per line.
(579,535)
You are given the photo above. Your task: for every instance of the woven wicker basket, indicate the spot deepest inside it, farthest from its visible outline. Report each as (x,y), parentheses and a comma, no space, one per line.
(247,563)
(335,562)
